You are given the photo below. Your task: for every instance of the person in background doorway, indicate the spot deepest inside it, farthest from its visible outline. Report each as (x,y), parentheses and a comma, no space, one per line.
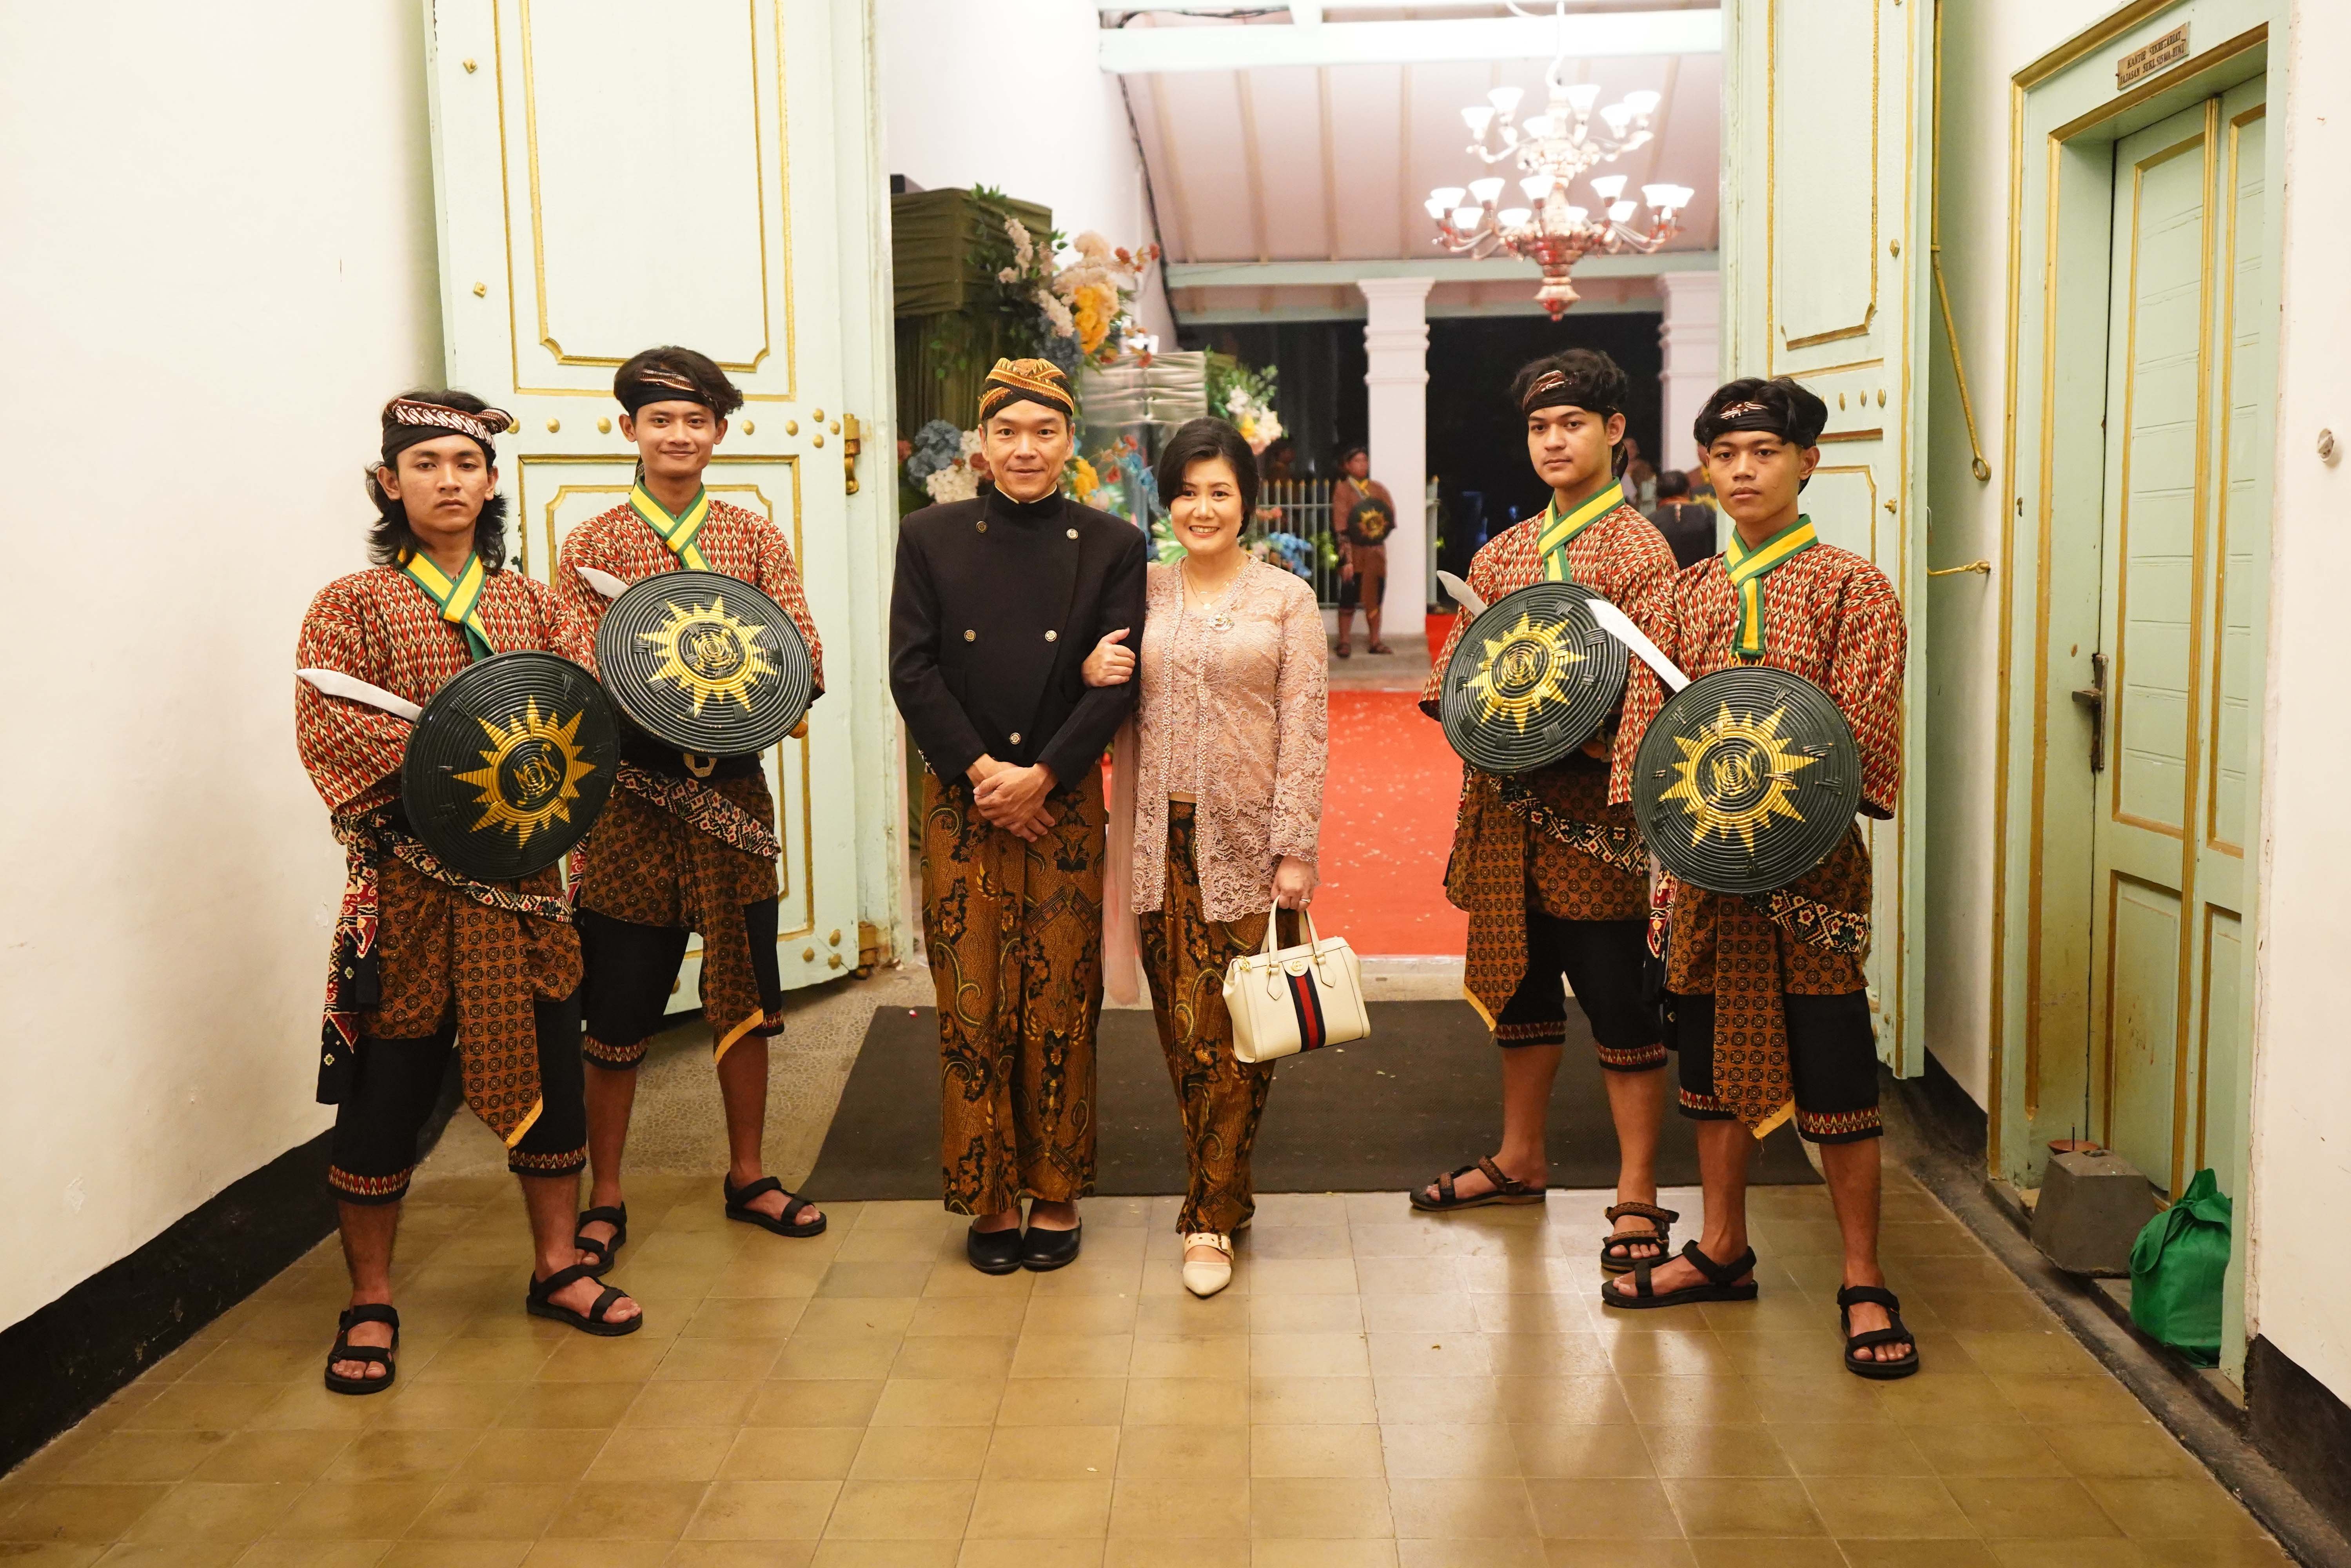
(995,605)
(1639,479)
(1362,514)
(1222,803)
(428,961)
(1765,998)
(688,843)
(1554,875)
(1689,527)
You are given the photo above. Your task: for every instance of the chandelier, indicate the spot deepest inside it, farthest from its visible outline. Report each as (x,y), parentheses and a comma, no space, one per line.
(1556,148)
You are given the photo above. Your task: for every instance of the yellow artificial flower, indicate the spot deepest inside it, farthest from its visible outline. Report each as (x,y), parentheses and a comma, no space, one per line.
(1097,307)
(1086,483)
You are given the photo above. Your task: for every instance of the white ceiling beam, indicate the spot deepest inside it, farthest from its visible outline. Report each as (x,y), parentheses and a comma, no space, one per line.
(1443,268)
(1438,309)
(1592,34)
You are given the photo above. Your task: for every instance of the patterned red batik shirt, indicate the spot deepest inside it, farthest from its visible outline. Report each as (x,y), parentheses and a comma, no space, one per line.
(1502,866)
(645,862)
(412,944)
(1830,616)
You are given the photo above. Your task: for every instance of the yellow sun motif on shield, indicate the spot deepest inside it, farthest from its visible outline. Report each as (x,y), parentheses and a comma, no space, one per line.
(1737,774)
(530,773)
(711,654)
(1523,669)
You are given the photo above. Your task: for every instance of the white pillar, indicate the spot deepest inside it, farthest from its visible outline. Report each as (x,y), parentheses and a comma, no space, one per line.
(1395,343)
(1692,336)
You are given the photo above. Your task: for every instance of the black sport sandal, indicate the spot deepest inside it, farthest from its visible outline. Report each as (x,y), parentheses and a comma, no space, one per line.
(375,1355)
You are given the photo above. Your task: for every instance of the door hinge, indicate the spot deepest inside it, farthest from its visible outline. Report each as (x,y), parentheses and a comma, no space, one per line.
(2094,698)
(852,441)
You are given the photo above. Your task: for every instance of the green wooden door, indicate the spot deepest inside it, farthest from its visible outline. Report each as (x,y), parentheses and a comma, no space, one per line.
(2184,596)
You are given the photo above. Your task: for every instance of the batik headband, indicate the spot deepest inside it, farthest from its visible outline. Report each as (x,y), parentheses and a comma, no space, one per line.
(1786,422)
(661,386)
(1552,390)
(1026,381)
(407,422)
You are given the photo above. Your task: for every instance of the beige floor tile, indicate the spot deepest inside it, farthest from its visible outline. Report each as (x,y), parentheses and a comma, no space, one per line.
(2077,1553)
(1429,1354)
(1188,1402)
(965,1283)
(277,1553)
(202,1407)
(1146,1510)
(2012,1449)
(921,1454)
(456,1554)
(1278,1210)
(489,1510)
(395,1455)
(1947,1554)
(1086,1553)
(609,1509)
(957,1356)
(1288,1554)
(1447,1452)
(783,1453)
(820,1402)
(1599,1510)
(248,1361)
(129,1457)
(1202,1355)
(2163,1509)
(1489,1552)
(2086,1401)
(779,1278)
(693,1554)
(1287,1242)
(271,1456)
(1305,1277)
(1834,1450)
(2119,1451)
(306,1406)
(1442,1401)
(488,1360)
(1325,1452)
(1071,1354)
(1665,1401)
(940,1402)
(1796,1552)
(1828,1393)
(1564,1401)
(582,1359)
(950,1317)
(855,1317)
(1077,1315)
(664,1454)
(1452,1312)
(1062,1402)
(763,1511)
(538,1454)
(680,1404)
(1715,1452)
(216,1511)
(1462,1508)
(904,1280)
(1311,1401)
(1333,1354)
(1637,1551)
(1013,1509)
(1319,1510)
(1091,1276)
(1195,1552)
(553,1552)
(1580,1453)
(1307,1314)
(1058,1453)
(1673,1352)
(901,1510)
(1576,1355)
(1175,1313)
(1936,1398)
(743,1317)
(144,1554)
(1743,1507)
(703,1360)
(2012,1506)
(855,1356)
(1909,1507)
(356,1511)
(1210,1457)
(544,1404)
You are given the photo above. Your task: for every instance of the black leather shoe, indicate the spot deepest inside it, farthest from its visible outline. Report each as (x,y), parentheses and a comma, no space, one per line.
(1043,1249)
(994,1252)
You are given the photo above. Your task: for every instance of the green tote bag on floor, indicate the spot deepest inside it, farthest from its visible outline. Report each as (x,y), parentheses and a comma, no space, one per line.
(2178,1265)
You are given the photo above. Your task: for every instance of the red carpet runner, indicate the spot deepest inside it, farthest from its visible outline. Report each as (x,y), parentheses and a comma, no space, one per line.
(1387,825)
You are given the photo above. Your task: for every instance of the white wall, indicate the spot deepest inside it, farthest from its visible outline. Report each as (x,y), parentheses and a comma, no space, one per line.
(1983,46)
(2301,1162)
(1009,94)
(218,260)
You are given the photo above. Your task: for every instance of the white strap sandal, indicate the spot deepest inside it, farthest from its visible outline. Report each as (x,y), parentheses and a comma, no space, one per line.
(1206,1277)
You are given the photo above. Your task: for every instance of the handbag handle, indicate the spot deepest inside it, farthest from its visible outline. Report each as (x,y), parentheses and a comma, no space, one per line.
(1273,927)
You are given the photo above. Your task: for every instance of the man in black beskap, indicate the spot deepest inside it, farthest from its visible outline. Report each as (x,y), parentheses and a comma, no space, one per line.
(997,603)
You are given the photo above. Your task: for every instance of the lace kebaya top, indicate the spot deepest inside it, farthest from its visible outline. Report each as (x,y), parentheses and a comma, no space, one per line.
(1237,718)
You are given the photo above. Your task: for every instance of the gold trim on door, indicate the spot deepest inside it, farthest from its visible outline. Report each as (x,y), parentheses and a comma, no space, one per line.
(1772,188)
(2220,493)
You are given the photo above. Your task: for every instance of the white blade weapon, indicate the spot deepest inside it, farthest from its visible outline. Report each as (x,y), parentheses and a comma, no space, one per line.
(1461,595)
(604,582)
(1618,624)
(335,684)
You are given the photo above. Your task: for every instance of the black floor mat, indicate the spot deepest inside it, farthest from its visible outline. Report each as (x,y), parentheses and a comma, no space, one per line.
(1423,1094)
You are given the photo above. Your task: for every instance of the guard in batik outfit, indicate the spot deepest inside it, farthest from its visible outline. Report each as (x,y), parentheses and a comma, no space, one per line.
(687,843)
(428,960)
(997,600)
(1765,998)
(1549,864)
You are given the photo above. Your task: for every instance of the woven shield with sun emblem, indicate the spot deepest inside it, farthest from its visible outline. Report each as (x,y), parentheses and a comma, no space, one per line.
(509,765)
(1530,680)
(705,663)
(1746,779)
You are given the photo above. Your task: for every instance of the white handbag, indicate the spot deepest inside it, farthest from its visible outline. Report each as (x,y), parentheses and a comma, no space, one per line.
(1298,998)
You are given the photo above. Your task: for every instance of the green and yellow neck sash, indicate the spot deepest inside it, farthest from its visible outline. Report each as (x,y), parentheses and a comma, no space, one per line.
(1557,528)
(1746,567)
(675,532)
(460,598)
